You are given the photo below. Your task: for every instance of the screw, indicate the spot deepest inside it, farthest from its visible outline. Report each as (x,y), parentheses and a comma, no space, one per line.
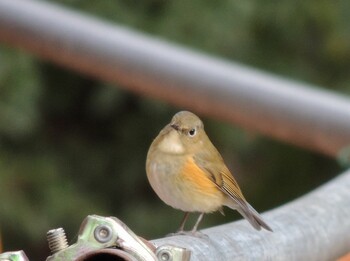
(57,240)
(103,233)
(165,255)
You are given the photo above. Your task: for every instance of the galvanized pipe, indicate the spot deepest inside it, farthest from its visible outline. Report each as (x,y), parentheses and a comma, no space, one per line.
(315,227)
(290,111)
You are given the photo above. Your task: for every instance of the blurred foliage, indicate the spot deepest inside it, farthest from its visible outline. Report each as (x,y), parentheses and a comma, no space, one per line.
(72,146)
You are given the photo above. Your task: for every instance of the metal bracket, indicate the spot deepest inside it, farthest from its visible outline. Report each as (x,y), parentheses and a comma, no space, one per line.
(100,237)
(98,233)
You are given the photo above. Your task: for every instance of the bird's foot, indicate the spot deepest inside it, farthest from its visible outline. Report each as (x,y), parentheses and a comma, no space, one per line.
(189,233)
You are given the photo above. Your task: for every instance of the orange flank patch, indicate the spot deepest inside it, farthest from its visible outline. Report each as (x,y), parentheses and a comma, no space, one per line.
(198,179)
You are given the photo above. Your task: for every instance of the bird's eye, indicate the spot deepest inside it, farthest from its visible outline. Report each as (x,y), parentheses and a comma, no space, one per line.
(192,132)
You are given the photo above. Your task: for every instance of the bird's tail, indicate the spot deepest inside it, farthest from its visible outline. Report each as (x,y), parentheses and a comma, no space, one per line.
(254,218)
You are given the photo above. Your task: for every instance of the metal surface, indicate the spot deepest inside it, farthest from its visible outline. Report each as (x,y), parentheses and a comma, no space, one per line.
(14,256)
(315,227)
(104,238)
(108,238)
(287,110)
(173,253)
(99,233)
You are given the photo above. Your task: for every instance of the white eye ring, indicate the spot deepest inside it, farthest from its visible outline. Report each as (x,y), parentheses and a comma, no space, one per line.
(192,132)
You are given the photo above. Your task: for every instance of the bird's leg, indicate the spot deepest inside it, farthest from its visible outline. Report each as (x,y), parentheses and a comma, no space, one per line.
(183,222)
(194,229)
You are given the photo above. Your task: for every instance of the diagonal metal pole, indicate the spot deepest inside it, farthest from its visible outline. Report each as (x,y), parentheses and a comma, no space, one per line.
(294,112)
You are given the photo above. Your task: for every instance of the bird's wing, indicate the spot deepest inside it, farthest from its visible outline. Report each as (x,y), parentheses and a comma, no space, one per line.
(217,171)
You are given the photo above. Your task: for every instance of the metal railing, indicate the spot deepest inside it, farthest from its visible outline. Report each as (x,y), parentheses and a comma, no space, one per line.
(314,227)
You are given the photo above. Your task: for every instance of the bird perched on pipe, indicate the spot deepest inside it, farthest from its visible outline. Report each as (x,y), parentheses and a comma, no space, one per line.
(188,173)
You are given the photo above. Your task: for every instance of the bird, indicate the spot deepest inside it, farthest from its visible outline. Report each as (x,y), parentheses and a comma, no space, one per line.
(188,173)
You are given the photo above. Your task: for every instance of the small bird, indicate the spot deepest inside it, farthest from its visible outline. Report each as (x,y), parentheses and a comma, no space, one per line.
(188,173)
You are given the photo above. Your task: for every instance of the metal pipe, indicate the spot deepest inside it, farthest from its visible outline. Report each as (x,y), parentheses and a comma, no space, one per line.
(313,227)
(283,109)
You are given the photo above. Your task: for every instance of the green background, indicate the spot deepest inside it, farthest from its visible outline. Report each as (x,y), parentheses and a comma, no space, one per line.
(71,145)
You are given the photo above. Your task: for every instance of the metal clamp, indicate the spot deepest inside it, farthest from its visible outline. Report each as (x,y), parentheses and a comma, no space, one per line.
(101,236)
(104,238)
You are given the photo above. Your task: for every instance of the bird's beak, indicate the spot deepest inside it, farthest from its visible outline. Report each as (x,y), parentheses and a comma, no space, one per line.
(175,127)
